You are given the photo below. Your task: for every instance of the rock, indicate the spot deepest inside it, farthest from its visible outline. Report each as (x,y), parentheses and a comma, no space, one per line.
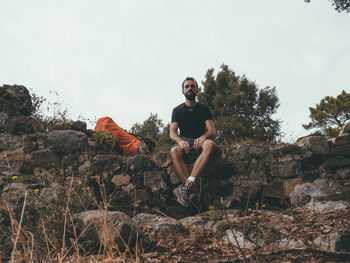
(13,163)
(286,243)
(70,161)
(142,195)
(285,170)
(287,153)
(79,126)
(338,161)
(47,196)
(140,163)
(161,159)
(9,142)
(106,227)
(154,180)
(341,144)
(46,176)
(317,144)
(345,129)
(318,207)
(130,187)
(342,139)
(106,163)
(303,193)
(67,141)
(3,121)
(236,238)
(121,179)
(289,185)
(334,242)
(241,189)
(13,194)
(44,158)
(200,221)
(15,100)
(215,221)
(343,173)
(85,167)
(174,178)
(159,226)
(22,125)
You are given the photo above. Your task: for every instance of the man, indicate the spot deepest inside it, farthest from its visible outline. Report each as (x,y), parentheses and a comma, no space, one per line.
(196,126)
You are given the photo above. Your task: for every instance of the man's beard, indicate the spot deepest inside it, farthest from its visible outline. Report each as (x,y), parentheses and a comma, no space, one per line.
(190,96)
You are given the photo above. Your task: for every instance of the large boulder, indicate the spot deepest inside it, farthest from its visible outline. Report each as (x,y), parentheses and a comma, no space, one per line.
(317,144)
(318,190)
(321,207)
(100,227)
(15,100)
(67,141)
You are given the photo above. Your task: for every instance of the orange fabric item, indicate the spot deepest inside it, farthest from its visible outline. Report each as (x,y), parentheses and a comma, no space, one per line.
(126,142)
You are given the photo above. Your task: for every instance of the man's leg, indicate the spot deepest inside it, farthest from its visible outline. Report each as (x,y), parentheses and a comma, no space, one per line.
(207,148)
(180,166)
(181,192)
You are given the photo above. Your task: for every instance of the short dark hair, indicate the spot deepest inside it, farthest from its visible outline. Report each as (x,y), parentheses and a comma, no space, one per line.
(189,78)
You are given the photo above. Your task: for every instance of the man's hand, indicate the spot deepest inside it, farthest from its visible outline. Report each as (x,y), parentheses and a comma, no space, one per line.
(185,146)
(199,142)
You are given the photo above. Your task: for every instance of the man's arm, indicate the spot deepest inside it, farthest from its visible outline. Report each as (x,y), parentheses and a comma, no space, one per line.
(209,134)
(174,136)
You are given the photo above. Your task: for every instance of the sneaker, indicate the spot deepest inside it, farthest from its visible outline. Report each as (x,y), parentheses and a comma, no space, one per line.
(182,194)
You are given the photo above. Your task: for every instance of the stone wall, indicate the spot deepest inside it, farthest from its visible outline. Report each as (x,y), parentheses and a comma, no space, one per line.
(48,162)
(48,170)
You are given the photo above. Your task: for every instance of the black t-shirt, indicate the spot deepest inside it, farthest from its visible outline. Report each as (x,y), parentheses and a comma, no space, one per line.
(191,120)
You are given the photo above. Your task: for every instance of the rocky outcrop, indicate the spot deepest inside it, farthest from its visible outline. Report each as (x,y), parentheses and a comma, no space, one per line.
(67,166)
(108,227)
(15,101)
(159,226)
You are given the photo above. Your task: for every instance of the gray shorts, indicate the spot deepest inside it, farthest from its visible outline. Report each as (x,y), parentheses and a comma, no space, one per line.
(189,140)
(193,154)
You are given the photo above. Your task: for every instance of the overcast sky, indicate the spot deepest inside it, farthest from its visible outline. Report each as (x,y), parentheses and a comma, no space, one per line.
(127,58)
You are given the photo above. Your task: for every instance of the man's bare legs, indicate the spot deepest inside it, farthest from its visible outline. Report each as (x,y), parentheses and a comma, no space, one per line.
(207,148)
(180,166)
(177,153)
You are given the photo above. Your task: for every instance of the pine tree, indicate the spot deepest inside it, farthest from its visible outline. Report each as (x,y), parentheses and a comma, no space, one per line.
(240,110)
(150,128)
(330,114)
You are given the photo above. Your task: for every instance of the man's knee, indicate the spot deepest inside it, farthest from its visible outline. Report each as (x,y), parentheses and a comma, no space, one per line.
(208,145)
(176,152)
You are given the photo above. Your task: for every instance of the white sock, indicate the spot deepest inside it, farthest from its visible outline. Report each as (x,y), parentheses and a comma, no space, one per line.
(190,181)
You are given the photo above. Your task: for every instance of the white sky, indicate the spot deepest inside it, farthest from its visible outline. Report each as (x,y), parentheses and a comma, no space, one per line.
(127,58)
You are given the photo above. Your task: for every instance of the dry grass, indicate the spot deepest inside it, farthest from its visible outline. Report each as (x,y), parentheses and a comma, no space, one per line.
(54,236)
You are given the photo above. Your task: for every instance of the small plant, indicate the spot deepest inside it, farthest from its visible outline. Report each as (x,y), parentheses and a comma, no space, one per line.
(105,141)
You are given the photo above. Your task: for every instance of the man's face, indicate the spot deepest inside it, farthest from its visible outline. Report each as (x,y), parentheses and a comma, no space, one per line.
(189,89)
